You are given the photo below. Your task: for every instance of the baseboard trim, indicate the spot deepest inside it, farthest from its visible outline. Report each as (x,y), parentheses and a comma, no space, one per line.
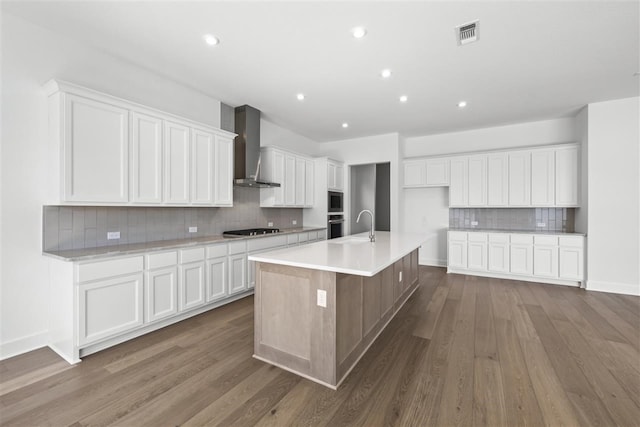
(509,276)
(23,345)
(614,288)
(432,262)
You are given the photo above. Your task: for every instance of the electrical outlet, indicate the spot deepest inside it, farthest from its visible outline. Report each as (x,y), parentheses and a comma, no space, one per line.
(113,235)
(541,224)
(474,222)
(193,229)
(294,222)
(270,224)
(322,298)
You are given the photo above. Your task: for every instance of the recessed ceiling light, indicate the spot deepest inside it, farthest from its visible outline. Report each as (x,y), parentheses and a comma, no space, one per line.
(300,96)
(404,98)
(386,73)
(359,32)
(211,40)
(462,104)
(345,125)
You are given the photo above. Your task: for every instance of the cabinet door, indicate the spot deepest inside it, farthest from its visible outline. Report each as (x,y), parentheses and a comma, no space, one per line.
(289,180)
(543,178)
(458,184)
(109,307)
(176,153)
(146,158)
(571,263)
(477,256)
(301,186)
(498,257)
(521,259)
(520,179)
(457,254)
(339,178)
(202,167)
(415,173)
(96,152)
(331,176)
(545,261)
(567,176)
(216,278)
(237,273)
(223,172)
(497,179)
(477,181)
(437,172)
(191,285)
(309,184)
(161,293)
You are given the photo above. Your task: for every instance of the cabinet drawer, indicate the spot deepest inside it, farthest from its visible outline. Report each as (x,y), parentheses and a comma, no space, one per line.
(237,247)
(217,251)
(522,239)
(546,240)
(163,259)
(498,238)
(266,243)
(191,255)
(111,268)
(572,241)
(477,237)
(292,239)
(460,236)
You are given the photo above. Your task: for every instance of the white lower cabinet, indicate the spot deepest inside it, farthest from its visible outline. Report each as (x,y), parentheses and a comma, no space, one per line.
(109,307)
(191,279)
(161,292)
(545,258)
(237,273)
(217,278)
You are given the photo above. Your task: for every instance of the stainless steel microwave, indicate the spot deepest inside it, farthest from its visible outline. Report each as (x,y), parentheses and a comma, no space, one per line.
(336,200)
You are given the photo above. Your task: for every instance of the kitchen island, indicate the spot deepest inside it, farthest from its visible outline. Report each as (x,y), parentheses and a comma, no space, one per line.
(319,308)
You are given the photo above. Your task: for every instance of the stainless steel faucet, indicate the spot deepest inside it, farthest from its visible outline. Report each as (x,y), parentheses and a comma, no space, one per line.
(372,233)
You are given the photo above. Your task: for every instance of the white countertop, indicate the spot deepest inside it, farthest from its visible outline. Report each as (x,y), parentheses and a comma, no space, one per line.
(350,255)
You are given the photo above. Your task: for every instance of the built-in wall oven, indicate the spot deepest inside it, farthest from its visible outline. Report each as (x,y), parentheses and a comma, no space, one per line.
(335,226)
(335,202)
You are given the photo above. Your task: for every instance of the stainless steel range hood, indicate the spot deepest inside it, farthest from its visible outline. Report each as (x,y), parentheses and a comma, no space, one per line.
(247,149)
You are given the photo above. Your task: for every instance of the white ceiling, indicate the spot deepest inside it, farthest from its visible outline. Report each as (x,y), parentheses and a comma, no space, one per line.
(535,60)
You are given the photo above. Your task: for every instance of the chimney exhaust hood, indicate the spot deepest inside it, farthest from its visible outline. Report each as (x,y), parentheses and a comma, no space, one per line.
(247,149)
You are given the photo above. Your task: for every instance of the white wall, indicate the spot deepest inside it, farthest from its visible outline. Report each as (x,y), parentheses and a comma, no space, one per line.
(274,135)
(371,149)
(30,57)
(613,239)
(426,210)
(582,136)
(554,131)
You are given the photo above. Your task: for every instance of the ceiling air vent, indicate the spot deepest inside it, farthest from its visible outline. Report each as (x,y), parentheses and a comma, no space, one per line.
(468,33)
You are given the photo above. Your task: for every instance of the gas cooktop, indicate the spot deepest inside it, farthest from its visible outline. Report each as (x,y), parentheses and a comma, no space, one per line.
(250,232)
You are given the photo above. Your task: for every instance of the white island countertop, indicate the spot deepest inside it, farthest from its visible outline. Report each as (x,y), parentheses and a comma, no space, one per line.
(353,254)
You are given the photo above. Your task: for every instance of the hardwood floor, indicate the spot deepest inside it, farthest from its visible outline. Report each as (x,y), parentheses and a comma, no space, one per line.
(464,350)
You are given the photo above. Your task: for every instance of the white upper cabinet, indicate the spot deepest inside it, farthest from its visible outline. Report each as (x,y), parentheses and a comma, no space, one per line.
(294,173)
(176,154)
(289,180)
(477,180)
(520,178)
(335,176)
(426,172)
(300,181)
(95,151)
(309,183)
(543,178)
(497,179)
(458,184)
(567,173)
(146,158)
(111,151)
(415,173)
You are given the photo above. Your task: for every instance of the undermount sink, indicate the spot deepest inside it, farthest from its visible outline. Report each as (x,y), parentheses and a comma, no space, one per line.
(351,241)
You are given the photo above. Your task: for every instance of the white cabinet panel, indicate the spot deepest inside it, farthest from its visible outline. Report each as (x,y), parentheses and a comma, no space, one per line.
(542,178)
(520,178)
(571,261)
(567,177)
(477,176)
(458,185)
(477,251)
(497,179)
(300,184)
(146,158)
(335,176)
(545,261)
(202,167)
(191,286)
(415,173)
(294,173)
(217,278)
(109,307)
(237,273)
(176,150)
(457,253)
(223,171)
(437,172)
(161,293)
(290,180)
(309,183)
(521,259)
(498,257)
(96,151)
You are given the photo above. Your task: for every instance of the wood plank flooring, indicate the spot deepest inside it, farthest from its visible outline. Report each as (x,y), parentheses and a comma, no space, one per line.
(464,350)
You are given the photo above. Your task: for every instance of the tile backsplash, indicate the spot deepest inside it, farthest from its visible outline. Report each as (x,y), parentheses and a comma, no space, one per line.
(523,219)
(80,227)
